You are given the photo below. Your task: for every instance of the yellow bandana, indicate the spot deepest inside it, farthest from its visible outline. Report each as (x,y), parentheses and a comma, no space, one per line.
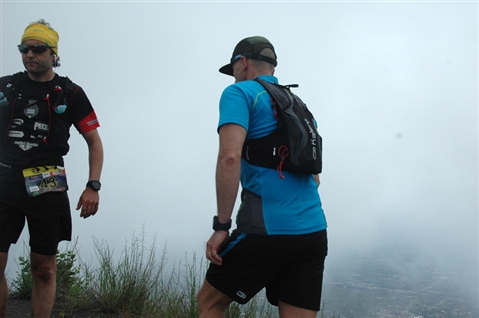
(42,33)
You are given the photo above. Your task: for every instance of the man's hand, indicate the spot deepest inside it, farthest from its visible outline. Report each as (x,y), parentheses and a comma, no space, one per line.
(214,244)
(88,202)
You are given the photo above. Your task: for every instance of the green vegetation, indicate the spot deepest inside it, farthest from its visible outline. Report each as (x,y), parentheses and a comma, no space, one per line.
(69,282)
(138,284)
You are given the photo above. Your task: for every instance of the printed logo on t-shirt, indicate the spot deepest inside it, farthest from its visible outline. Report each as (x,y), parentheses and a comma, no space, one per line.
(40,127)
(17,122)
(24,145)
(31,111)
(15,134)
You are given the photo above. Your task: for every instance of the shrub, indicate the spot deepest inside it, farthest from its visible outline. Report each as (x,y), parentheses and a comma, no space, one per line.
(22,285)
(135,285)
(69,282)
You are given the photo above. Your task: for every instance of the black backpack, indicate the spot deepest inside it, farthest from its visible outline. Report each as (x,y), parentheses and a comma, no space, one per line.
(295,145)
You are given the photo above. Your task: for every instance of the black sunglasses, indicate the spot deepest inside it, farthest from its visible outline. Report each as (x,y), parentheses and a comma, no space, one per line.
(35,48)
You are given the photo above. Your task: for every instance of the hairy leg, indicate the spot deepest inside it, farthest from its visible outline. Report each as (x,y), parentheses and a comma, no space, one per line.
(3,285)
(290,311)
(211,302)
(44,269)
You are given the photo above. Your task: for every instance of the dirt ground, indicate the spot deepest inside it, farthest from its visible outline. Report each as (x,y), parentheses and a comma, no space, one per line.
(20,308)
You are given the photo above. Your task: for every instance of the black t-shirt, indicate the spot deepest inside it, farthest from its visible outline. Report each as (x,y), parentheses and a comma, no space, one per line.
(36,119)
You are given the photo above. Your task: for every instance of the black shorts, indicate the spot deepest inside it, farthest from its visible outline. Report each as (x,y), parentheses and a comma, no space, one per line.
(48,216)
(289,266)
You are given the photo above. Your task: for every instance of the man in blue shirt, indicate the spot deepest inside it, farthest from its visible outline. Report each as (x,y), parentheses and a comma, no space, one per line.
(280,241)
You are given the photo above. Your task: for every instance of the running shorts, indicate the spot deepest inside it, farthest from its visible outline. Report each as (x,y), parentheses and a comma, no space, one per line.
(290,267)
(48,217)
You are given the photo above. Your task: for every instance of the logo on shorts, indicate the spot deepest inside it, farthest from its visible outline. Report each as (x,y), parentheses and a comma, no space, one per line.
(240,294)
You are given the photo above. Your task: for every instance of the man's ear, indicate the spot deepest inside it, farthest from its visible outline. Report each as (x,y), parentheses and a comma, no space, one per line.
(244,63)
(56,60)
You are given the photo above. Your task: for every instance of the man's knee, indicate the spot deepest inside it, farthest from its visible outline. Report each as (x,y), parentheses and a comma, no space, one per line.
(44,272)
(43,267)
(211,300)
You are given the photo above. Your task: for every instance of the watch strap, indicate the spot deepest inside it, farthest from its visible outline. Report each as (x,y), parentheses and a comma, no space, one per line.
(217,226)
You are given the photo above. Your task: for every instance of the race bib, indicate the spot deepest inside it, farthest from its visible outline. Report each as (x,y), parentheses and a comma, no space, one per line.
(43,179)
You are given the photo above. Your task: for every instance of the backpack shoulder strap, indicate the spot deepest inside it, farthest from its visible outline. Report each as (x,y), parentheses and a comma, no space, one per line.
(64,82)
(14,79)
(280,93)
(10,88)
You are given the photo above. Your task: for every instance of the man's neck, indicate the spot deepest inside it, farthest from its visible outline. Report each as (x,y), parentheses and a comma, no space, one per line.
(42,77)
(254,74)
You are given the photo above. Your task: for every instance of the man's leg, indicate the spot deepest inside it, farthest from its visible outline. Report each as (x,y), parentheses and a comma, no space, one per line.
(211,302)
(44,271)
(3,285)
(290,311)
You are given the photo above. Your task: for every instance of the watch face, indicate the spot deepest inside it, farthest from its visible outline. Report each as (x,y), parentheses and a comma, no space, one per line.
(94,184)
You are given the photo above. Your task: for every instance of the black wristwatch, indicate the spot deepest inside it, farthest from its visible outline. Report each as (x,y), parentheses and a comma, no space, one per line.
(217,226)
(94,184)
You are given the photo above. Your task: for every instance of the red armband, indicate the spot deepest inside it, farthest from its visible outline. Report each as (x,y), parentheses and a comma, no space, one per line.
(88,123)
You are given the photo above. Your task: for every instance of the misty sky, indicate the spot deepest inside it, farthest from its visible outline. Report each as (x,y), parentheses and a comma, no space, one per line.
(393,86)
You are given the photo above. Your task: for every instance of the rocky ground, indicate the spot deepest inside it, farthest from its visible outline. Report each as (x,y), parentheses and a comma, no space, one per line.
(20,308)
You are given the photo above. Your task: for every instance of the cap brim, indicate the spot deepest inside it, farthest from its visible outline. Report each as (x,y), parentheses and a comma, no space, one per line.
(227,69)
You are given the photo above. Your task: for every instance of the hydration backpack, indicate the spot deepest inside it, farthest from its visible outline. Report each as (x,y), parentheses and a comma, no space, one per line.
(56,98)
(295,145)
(13,102)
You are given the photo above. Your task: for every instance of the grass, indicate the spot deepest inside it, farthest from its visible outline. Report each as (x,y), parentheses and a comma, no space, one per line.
(137,284)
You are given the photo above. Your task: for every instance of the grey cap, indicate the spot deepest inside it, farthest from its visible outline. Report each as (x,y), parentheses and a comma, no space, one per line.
(251,48)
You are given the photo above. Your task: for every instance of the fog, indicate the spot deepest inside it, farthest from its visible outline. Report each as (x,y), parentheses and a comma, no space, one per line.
(393,86)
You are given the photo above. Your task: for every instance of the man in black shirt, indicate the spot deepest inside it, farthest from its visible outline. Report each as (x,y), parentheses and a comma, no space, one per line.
(37,109)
